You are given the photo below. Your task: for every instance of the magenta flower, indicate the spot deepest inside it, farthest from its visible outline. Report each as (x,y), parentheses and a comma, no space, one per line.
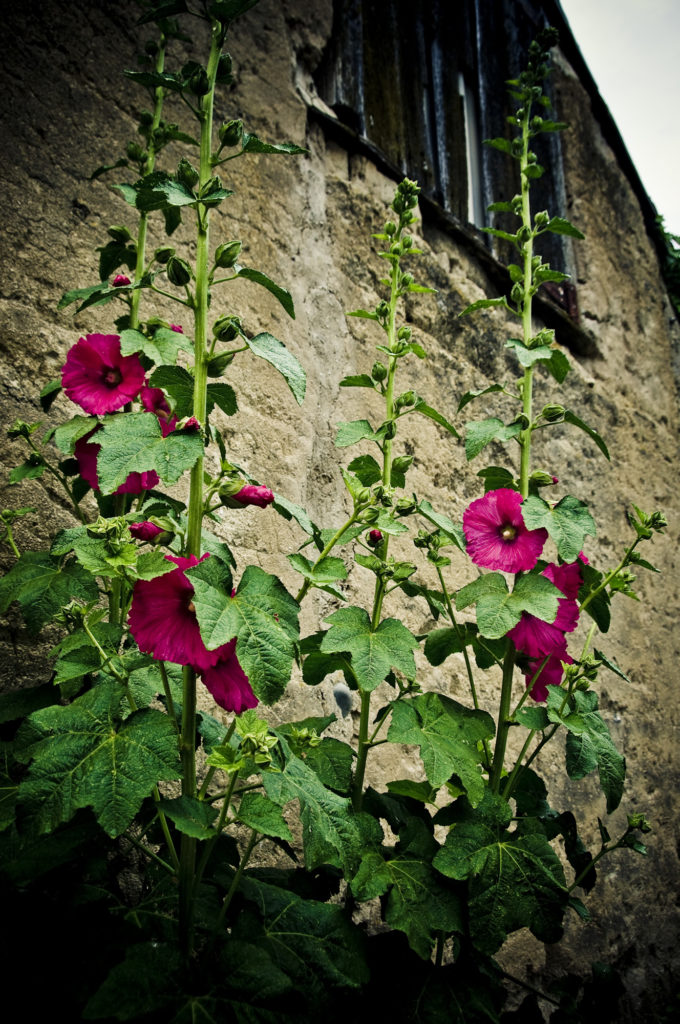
(496,535)
(120,280)
(228,683)
(86,453)
(550,675)
(97,377)
(252,494)
(537,638)
(145,531)
(155,401)
(374,538)
(191,424)
(176,328)
(163,619)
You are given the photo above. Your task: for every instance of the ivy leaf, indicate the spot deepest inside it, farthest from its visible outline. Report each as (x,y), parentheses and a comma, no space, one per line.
(86,757)
(251,144)
(262,616)
(499,610)
(447,734)
(568,523)
(480,433)
(589,744)
(514,881)
(43,586)
(283,296)
(373,652)
(133,443)
(162,348)
(191,816)
(275,352)
(262,814)
(570,417)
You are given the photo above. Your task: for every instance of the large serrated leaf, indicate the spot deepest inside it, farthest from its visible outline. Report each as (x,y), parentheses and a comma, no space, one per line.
(569,522)
(373,652)
(133,443)
(43,586)
(589,744)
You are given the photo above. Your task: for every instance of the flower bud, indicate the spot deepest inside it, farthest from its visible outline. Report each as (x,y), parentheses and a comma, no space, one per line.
(407,398)
(177,328)
(199,83)
(390,228)
(362,496)
(382,310)
(146,119)
(178,271)
(119,233)
(405,506)
(147,531)
(250,494)
(541,218)
(404,333)
(120,281)
(553,413)
(378,371)
(163,254)
(186,174)
(227,253)
(135,152)
(151,48)
(374,538)
(406,280)
(231,132)
(218,364)
(395,248)
(226,327)
(224,66)
(406,241)
(402,463)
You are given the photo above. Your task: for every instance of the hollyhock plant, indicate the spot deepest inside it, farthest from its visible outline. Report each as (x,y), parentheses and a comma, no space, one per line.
(163,619)
(86,453)
(228,683)
(550,674)
(97,377)
(537,638)
(155,401)
(496,535)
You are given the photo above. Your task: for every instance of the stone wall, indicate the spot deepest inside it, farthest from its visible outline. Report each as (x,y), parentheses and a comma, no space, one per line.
(306,222)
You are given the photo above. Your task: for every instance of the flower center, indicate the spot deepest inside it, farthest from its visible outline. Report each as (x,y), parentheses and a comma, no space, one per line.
(112,376)
(192,607)
(508,532)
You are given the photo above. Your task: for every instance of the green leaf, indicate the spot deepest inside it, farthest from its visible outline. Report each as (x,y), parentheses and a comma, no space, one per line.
(599,608)
(514,881)
(275,352)
(611,665)
(425,410)
(223,396)
(43,586)
(448,735)
(128,193)
(499,610)
(262,616)
(503,145)
(570,417)
(329,570)
(488,303)
(495,477)
(470,396)
(367,469)
(561,226)
(262,814)
(178,383)
(361,380)
(289,510)
(568,523)
(454,531)
(529,356)
(332,761)
(276,290)
(373,652)
(86,757)
(26,471)
(133,443)
(589,744)
(158,190)
(93,295)
(355,430)
(449,640)
(163,9)
(480,433)
(66,435)
(191,816)
(364,314)
(162,348)
(558,365)
(421,791)
(251,144)
(145,981)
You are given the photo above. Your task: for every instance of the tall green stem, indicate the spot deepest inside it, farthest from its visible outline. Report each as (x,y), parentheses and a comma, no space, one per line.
(195,516)
(527,326)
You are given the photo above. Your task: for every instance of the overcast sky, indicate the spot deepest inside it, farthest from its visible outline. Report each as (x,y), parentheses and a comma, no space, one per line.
(632,48)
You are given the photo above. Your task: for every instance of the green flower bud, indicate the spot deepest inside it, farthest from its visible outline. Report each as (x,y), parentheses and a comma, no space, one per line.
(406,280)
(404,333)
(402,463)
(541,218)
(362,496)
(186,174)
(407,398)
(227,253)
(224,67)
(218,364)
(146,119)
(119,233)
(406,241)
(231,132)
(151,48)
(395,248)
(369,515)
(378,371)
(639,822)
(390,228)
(553,413)
(163,254)
(178,271)
(405,506)
(382,310)
(226,327)
(135,152)
(199,83)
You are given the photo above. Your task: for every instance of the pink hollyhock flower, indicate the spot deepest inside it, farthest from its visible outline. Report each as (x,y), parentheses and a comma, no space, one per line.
(86,453)
(550,675)
(252,494)
(163,619)
(176,328)
(496,535)
(145,531)
(155,401)
(120,280)
(537,638)
(97,377)
(191,424)
(228,683)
